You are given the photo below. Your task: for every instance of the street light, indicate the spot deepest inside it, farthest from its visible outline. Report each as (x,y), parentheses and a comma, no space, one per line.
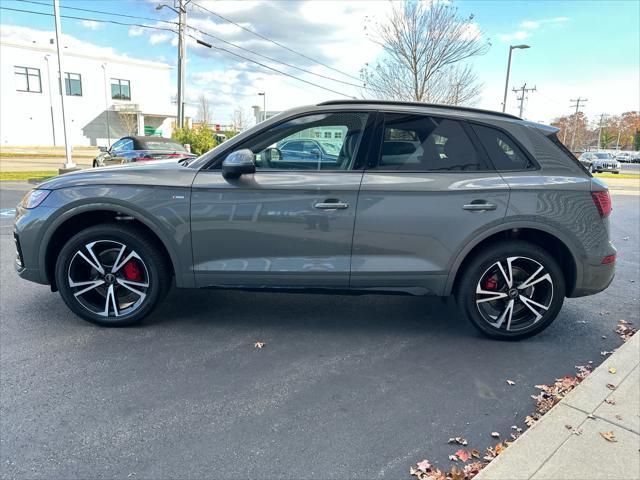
(506,84)
(264,105)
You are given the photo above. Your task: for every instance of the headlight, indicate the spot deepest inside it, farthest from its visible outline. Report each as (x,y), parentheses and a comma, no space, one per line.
(34,198)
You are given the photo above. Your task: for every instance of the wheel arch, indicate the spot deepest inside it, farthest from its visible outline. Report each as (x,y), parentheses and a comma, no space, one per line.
(554,242)
(76,219)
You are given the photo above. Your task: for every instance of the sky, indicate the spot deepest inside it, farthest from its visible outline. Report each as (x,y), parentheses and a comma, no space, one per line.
(587,49)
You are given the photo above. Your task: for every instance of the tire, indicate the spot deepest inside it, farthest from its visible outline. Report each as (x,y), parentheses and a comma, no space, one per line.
(484,296)
(112,275)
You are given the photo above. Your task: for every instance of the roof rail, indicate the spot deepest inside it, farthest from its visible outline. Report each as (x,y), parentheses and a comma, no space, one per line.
(420,104)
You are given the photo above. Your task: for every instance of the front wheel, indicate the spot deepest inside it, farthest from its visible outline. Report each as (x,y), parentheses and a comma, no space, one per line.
(511,290)
(112,275)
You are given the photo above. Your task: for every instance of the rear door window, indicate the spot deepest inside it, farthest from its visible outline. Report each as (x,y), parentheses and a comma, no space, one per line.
(502,150)
(425,143)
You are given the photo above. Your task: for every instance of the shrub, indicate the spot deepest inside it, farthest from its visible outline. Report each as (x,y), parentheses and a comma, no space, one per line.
(201,139)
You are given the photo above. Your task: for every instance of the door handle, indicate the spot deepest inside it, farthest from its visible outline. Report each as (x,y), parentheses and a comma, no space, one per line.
(479,206)
(331,205)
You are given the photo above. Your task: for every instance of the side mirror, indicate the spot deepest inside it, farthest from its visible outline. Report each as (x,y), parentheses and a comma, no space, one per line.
(238,163)
(104,149)
(315,152)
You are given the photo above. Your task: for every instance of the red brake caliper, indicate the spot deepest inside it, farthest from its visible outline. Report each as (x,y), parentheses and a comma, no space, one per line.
(132,271)
(490,284)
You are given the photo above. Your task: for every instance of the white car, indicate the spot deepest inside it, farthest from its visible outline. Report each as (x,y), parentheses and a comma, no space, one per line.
(598,162)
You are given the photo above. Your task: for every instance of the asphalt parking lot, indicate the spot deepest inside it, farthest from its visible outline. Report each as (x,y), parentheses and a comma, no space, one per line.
(345,387)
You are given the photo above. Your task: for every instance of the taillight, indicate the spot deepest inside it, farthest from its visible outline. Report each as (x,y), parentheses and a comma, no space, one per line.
(608,259)
(145,157)
(602,201)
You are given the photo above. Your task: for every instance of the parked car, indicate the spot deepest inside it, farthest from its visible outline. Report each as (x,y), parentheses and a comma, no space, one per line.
(598,162)
(140,149)
(624,157)
(304,152)
(421,199)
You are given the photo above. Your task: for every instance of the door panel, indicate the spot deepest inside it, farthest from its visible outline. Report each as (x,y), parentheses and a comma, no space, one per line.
(410,225)
(274,228)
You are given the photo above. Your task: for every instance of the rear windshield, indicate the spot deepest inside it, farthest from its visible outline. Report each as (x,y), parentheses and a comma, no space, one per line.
(159,145)
(603,156)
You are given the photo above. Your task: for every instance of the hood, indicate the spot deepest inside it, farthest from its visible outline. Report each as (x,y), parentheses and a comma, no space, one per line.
(161,173)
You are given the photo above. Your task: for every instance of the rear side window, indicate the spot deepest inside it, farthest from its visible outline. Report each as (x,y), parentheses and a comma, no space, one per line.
(422,143)
(502,150)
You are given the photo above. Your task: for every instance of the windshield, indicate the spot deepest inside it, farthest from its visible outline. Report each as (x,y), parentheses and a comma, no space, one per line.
(330,148)
(603,156)
(158,145)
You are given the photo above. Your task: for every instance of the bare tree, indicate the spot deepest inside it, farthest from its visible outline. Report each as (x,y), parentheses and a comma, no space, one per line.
(204,109)
(240,120)
(424,47)
(129,119)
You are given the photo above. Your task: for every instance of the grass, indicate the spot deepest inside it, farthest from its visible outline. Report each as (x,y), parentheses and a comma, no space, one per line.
(28,175)
(632,176)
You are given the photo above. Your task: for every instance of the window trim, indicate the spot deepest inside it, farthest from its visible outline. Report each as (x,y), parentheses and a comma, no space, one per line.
(525,151)
(26,74)
(67,75)
(215,163)
(483,160)
(120,80)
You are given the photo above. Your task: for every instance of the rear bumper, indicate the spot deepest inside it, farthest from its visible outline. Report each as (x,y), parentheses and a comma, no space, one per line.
(595,278)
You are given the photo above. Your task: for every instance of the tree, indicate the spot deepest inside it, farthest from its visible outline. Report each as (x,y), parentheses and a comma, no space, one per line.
(424,47)
(574,131)
(240,120)
(204,109)
(200,139)
(129,119)
(636,140)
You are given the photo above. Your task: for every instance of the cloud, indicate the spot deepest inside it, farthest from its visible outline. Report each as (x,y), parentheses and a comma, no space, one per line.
(136,31)
(91,25)
(519,35)
(533,24)
(529,24)
(156,38)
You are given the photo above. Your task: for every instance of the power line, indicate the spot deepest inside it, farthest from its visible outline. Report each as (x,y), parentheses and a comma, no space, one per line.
(522,97)
(272,59)
(99,11)
(253,32)
(90,19)
(191,36)
(270,68)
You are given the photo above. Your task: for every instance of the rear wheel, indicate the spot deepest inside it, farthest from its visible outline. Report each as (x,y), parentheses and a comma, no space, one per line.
(112,275)
(511,290)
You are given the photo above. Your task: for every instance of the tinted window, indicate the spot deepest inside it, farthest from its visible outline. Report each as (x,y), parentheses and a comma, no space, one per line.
(421,143)
(502,150)
(287,146)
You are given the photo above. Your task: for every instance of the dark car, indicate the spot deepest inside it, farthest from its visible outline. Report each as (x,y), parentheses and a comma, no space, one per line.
(421,200)
(299,152)
(140,149)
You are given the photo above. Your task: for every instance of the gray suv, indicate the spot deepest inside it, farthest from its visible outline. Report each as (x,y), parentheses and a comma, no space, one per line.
(420,199)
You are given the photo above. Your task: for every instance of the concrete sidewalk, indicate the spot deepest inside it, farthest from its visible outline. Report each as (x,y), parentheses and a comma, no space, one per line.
(566,443)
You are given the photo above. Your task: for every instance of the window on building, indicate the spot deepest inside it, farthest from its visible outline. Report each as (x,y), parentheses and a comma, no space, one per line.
(28,79)
(120,89)
(73,84)
(421,143)
(327,134)
(337,135)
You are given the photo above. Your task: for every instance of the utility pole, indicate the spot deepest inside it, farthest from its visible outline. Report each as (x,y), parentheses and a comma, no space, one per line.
(457,94)
(106,103)
(69,163)
(602,115)
(182,59)
(575,120)
(619,131)
(53,123)
(521,98)
(506,83)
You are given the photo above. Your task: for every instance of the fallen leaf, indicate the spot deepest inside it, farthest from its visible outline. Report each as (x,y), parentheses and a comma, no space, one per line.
(453,458)
(495,434)
(499,448)
(529,420)
(424,465)
(511,382)
(463,455)
(475,453)
(456,473)
(577,431)
(568,427)
(619,417)
(591,416)
(604,353)
(603,337)
(610,401)
(259,345)
(612,370)
(459,441)
(608,436)
(611,386)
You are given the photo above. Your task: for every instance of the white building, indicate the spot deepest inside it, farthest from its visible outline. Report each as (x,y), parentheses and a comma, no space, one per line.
(106,97)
